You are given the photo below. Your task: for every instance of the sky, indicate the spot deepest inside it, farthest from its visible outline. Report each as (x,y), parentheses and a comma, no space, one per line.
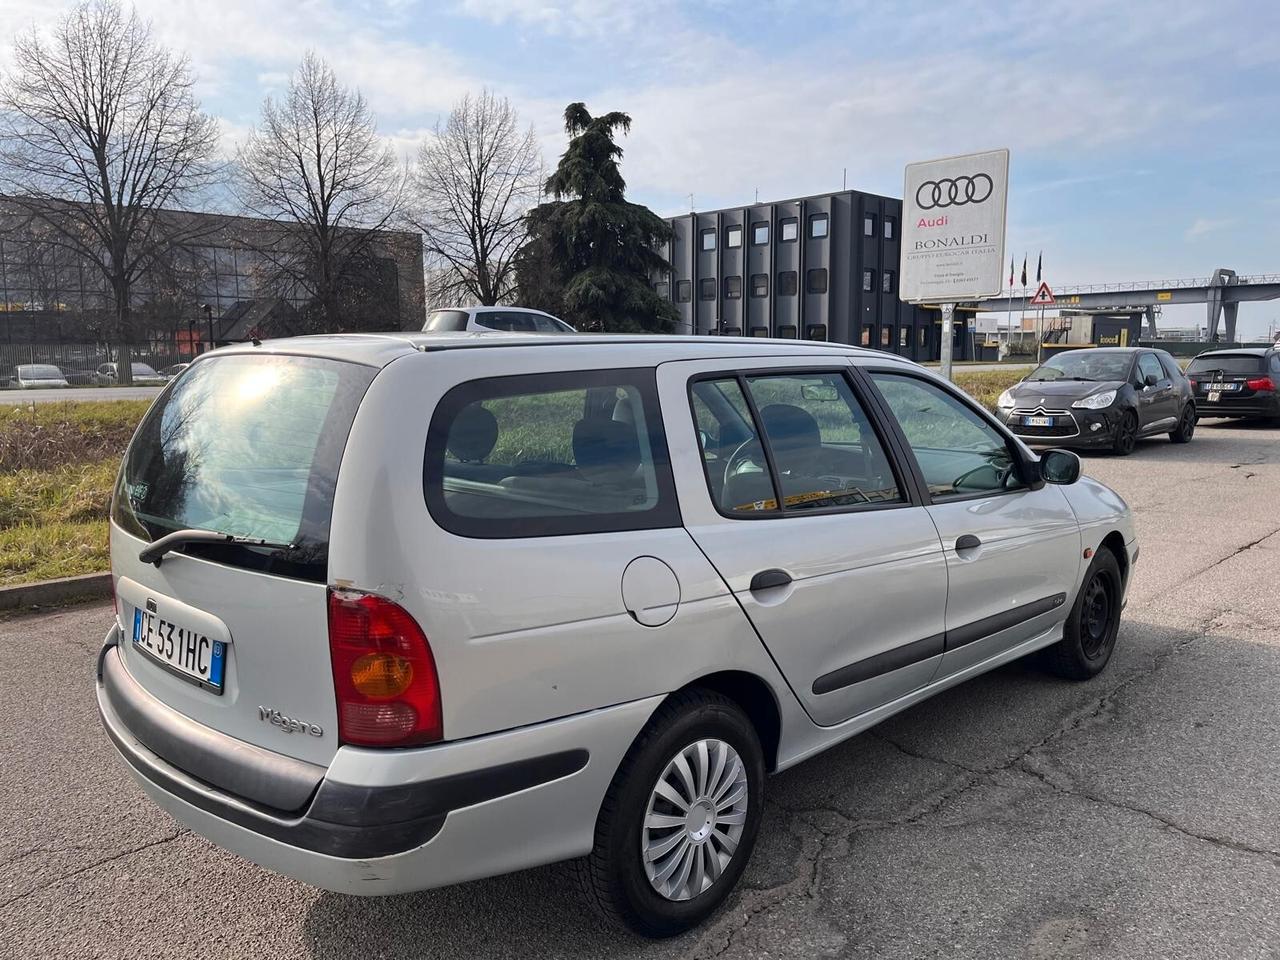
(1145,135)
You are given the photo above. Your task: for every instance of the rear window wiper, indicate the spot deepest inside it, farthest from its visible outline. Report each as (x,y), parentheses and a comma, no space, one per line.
(154,552)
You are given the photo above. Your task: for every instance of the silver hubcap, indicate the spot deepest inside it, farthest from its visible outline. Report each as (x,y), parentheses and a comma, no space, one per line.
(694,820)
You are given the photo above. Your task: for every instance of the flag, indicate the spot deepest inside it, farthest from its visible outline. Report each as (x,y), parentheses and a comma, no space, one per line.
(1011,273)
(1024,271)
(1039,259)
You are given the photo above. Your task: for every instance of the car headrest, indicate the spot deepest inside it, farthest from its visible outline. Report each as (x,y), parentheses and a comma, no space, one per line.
(623,411)
(473,434)
(790,427)
(605,449)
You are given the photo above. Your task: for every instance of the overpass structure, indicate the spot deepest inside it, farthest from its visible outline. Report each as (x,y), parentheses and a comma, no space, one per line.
(1222,293)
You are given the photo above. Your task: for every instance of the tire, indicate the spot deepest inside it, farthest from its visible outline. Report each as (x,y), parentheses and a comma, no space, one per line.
(1089,636)
(1126,435)
(616,874)
(1186,427)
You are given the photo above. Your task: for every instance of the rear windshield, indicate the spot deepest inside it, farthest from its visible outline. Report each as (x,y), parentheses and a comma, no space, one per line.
(446,320)
(1228,364)
(245,445)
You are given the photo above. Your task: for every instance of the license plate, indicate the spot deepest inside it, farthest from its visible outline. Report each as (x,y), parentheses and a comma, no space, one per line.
(1215,396)
(1037,421)
(180,649)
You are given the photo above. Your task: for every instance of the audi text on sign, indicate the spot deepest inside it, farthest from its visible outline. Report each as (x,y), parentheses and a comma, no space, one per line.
(953,221)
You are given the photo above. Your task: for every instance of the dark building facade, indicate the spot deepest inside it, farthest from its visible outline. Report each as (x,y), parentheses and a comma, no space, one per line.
(821,268)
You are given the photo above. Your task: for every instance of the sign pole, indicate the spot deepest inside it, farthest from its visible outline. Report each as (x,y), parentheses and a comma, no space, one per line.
(948,337)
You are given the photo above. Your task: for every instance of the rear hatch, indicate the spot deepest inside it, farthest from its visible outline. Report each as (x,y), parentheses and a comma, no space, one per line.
(1229,378)
(235,635)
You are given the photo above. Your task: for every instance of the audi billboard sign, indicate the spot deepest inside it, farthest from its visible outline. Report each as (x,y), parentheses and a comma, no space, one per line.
(953,213)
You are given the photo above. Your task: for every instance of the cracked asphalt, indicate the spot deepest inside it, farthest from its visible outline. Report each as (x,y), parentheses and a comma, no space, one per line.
(1133,816)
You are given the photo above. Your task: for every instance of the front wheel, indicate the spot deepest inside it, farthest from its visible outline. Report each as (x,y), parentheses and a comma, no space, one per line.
(1089,636)
(1186,427)
(1126,435)
(679,821)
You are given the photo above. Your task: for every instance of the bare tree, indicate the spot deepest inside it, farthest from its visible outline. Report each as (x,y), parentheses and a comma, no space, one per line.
(317,167)
(475,178)
(99,134)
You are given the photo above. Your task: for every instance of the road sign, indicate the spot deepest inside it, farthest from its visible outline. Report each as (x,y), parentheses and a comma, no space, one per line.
(953,216)
(1043,297)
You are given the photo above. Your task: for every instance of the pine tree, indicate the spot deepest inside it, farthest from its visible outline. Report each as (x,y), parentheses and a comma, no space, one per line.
(590,253)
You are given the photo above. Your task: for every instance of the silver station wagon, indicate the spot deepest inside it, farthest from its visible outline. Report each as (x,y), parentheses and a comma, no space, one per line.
(406,610)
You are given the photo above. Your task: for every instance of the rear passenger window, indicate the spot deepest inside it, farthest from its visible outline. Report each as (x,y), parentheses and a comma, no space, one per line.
(550,454)
(959,453)
(804,432)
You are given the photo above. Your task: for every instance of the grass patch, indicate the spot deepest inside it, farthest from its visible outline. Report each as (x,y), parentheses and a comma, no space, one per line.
(985,386)
(58,462)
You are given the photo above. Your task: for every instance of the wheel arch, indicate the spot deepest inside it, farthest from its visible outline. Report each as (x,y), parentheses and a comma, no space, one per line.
(758,702)
(1114,542)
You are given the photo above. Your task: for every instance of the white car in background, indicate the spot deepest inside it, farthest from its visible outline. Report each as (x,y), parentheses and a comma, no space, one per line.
(507,319)
(37,376)
(144,375)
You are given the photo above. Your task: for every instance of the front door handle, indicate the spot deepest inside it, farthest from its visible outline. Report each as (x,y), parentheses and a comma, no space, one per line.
(967,542)
(767,579)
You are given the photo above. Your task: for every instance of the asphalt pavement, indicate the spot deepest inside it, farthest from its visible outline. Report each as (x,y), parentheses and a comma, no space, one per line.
(78,393)
(1133,816)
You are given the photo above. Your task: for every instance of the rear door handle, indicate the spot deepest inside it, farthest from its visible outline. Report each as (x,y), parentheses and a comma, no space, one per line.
(967,542)
(767,579)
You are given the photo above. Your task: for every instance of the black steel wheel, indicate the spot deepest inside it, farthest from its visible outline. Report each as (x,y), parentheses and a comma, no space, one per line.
(1186,427)
(1126,436)
(1089,636)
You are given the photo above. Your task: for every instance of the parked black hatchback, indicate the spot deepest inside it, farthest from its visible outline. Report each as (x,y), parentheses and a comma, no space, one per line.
(1237,383)
(1104,398)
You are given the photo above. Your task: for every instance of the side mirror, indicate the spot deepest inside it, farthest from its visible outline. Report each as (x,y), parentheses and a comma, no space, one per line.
(1150,380)
(1059,466)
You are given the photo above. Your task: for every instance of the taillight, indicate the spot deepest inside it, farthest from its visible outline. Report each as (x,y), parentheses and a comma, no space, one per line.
(1260,383)
(383,673)
(1192,381)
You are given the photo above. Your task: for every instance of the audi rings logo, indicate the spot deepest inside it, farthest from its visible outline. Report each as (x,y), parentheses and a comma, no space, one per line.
(953,191)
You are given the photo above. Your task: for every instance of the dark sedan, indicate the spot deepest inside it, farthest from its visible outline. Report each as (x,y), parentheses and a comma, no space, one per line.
(1237,383)
(1106,398)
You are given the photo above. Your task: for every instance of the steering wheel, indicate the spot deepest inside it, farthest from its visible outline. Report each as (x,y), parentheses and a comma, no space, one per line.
(739,458)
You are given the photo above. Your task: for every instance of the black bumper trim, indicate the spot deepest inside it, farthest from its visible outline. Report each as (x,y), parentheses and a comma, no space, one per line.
(342,820)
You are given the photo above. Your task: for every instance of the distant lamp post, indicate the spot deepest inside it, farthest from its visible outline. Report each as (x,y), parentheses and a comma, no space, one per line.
(191,338)
(208,316)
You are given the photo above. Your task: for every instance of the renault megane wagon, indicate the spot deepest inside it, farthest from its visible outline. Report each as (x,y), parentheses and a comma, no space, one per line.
(398,611)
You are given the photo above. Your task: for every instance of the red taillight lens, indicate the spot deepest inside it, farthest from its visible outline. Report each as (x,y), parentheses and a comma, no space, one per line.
(383,673)
(1260,383)
(1192,380)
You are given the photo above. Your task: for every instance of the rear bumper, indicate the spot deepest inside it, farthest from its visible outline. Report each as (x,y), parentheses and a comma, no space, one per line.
(1268,407)
(380,822)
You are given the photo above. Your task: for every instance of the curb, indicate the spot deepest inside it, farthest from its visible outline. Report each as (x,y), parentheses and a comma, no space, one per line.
(50,593)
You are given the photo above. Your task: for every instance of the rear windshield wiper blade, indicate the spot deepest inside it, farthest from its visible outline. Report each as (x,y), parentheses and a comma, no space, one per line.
(154,552)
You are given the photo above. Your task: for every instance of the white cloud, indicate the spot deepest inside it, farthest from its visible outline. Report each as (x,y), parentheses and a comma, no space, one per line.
(1206,225)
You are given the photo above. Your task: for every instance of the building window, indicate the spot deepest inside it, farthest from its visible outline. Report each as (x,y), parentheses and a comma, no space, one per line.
(759,284)
(786,283)
(707,288)
(886,336)
(886,282)
(818,226)
(924,337)
(759,234)
(663,289)
(790,228)
(869,225)
(815,281)
(866,335)
(733,288)
(889,224)
(708,239)
(684,290)
(868,281)
(733,237)
(904,337)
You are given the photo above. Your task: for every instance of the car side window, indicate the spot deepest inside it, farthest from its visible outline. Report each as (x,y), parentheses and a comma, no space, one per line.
(1275,363)
(1149,366)
(550,454)
(513,322)
(1171,368)
(806,432)
(960,454)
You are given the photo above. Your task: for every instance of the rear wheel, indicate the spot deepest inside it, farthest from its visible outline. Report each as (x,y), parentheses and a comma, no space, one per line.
(679,821)
(1089,636)
(1186,427)
(1126,435)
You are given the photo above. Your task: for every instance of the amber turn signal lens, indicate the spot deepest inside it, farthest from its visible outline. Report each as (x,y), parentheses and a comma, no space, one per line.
(381,675)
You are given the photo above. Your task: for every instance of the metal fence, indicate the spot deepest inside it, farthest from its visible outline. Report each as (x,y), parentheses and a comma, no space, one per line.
(78,360)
